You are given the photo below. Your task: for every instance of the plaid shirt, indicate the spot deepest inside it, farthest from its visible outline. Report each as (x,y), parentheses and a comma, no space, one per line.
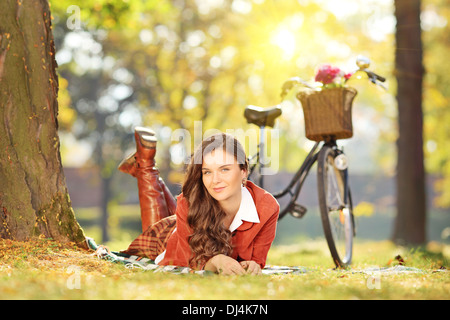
(153,241)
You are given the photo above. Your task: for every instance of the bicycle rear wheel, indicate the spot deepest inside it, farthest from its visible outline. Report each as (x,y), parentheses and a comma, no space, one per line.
(336,213)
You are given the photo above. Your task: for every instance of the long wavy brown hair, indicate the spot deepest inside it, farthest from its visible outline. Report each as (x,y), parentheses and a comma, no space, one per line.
(205,216)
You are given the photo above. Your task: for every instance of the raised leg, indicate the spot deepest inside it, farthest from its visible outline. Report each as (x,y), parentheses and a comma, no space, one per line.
(141,165)
(129,166)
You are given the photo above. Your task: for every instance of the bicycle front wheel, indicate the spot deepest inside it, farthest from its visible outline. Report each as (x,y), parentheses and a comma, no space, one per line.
(336,212)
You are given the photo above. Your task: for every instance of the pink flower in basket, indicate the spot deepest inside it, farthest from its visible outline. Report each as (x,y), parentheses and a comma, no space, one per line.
(331,76)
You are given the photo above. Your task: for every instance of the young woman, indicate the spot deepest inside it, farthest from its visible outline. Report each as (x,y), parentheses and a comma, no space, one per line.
(222,223)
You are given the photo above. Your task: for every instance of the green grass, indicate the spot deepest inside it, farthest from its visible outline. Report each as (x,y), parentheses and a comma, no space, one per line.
(46,270)
(43,269)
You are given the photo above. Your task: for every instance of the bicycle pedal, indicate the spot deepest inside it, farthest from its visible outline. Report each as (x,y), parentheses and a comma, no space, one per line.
(297,210)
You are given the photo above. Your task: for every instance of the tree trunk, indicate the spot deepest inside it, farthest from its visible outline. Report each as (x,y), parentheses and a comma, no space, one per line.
(410,223)
(106,196)
(34,200)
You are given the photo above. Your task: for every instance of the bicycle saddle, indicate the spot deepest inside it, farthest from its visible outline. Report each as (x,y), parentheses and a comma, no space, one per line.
(262,117)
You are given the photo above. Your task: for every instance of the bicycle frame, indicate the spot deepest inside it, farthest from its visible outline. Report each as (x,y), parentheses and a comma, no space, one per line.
(296,182)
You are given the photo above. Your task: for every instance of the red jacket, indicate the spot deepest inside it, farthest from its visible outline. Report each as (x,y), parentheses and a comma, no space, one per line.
(251,241)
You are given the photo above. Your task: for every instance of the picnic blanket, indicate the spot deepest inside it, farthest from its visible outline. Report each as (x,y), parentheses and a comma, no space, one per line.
(390,270)
(133,261)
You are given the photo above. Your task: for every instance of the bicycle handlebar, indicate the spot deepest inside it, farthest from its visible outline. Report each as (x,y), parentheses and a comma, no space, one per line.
(374,77)
(361,61)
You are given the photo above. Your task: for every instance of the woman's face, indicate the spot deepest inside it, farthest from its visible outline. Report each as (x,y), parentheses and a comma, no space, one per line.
(222,175)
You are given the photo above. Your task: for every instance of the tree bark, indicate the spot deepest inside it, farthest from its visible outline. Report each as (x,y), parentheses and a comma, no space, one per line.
(34,200)
(410,222)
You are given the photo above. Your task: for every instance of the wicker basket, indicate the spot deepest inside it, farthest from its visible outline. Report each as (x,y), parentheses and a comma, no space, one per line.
(328,113)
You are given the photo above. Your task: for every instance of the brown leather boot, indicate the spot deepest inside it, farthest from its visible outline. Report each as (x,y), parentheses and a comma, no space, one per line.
(151,194)
(170,200)
(129,165)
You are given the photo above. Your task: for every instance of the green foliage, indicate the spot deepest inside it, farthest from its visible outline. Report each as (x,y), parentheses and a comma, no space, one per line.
(436,16)
(190,61)
(205,62)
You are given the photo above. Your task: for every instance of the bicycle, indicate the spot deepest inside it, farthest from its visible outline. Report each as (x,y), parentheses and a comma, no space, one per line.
(334,195)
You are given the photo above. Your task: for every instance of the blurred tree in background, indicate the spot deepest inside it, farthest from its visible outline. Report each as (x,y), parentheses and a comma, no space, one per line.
(410,223)
(166,64)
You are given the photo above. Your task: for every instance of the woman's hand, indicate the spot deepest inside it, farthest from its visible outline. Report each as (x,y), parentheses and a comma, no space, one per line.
(223,264)
(251,267)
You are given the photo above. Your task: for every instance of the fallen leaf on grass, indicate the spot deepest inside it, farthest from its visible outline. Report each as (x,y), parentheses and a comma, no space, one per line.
(397,260)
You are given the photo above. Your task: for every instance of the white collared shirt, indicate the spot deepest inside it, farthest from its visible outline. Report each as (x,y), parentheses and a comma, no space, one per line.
(247,212)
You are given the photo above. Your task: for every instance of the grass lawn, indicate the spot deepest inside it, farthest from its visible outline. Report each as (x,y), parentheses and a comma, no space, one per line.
(44,269)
